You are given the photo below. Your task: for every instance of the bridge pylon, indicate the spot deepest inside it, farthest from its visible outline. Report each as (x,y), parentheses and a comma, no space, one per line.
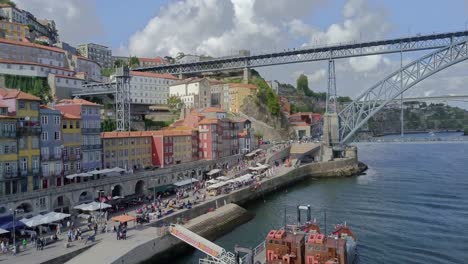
(122,98)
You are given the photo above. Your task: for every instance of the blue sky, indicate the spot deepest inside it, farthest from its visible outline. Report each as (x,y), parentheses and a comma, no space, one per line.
(120,20)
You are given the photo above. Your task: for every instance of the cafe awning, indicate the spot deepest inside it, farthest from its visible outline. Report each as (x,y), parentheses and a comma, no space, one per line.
(185,182)
(123,218)
(3,231)
(214,171)
(162,188)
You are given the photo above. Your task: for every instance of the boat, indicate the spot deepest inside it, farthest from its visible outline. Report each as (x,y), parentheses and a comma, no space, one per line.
(300,243)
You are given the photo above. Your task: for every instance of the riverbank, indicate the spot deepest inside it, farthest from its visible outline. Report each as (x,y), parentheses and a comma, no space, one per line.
(158,246)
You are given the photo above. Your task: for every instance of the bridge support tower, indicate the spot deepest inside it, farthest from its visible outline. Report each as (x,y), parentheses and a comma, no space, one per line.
(122,98)
(246,76)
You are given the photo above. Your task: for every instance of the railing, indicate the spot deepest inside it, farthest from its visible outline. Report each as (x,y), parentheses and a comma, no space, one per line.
(90,130)
(8,134)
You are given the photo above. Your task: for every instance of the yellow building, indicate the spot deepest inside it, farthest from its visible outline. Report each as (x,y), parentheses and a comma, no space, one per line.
(237,93)
(25,108)
(127,150)
(71,152)
(14,31)
(8,153)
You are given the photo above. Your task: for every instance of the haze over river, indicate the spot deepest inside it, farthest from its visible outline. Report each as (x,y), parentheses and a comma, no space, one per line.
(411,206)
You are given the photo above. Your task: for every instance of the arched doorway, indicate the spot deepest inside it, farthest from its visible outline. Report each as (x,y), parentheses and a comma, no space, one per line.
(25,208)
(117,190)
(85,197)
(140,187)
(61,204)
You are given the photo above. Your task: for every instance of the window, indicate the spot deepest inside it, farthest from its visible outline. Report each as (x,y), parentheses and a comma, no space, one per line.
(44,120)
(24,164)
(35,163)
(57,120)
(64,126)
(58,151)
(45,152)
(44,136)
(21,105)
(78,166)
(77,124)
(57,135)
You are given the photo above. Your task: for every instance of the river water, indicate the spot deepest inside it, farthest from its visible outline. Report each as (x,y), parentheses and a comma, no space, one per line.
(411,206)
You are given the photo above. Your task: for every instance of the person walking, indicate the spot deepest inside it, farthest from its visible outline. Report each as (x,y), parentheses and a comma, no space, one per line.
(25,243)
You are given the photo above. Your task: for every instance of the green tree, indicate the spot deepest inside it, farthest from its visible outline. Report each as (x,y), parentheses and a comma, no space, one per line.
(134,62)
(37,86)
(8,2)
(119,63)
(303,85)
(466,131)
(107,71)
(175,103)
(108,125)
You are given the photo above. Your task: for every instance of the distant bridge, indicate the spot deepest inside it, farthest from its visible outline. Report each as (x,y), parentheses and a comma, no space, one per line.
(316,53)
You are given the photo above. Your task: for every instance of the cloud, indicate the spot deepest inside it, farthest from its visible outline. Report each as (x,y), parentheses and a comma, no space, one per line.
(218,28)
(76,20)
(364,64)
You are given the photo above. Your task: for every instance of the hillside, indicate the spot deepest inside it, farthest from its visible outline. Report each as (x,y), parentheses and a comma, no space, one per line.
(419,117)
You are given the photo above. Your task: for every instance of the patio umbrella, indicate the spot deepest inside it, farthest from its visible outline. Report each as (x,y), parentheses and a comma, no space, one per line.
(9,225)
(94,206)
(3,231)
(80,206)
(33,221)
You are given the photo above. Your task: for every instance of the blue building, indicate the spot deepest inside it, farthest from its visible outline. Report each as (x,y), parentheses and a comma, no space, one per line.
(51,144)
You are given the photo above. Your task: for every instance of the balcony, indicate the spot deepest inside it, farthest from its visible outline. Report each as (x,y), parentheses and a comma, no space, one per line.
(90,130)
(91,147)
(11,174)
(45,157)
(8,134)
(28,128)
(36,172)
(23,173)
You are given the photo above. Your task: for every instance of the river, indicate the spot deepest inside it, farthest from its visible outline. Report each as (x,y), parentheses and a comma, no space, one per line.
(411,206)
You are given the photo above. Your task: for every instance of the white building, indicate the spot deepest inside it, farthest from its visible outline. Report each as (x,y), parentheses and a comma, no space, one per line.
(150,88)
(194,92)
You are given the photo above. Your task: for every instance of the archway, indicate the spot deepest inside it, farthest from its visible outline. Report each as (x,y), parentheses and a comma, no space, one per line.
(25,208)
(61,204)
(140,187)
(85,197)
(117,190)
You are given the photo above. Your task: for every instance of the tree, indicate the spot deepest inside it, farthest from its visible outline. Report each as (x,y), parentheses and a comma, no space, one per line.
(133,62)
(175,103)
(107,71)
(466,131)
(119,63)
(108,125)
(8,2)
(303,85)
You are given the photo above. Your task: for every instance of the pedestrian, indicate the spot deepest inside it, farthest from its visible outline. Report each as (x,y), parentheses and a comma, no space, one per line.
(25,243)
(58,230)
(68,224)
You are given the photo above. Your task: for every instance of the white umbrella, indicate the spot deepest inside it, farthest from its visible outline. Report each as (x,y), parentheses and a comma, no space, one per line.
(117,169)
(3,231)
(94,206)
(33,221)
(50,218)
(80,206)
(94,172)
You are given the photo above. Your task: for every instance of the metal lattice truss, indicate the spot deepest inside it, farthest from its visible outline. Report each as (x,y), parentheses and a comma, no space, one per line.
(122,99)
(345,50)
(356,114)
(331,92)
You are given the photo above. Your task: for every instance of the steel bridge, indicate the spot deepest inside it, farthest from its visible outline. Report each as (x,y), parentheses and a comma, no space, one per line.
(317,53)
(451,49)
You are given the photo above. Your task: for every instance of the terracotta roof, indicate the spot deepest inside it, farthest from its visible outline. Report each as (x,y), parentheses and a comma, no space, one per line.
(215,81)
(126,134)
(70,116)
(189,80)
(208,121)
(34,63)
(17,94)
(76,101)
(302,113)
(155,60)
(239,120)
(242,85)
(212,110)
(32,45)
(300,124)
(154,75)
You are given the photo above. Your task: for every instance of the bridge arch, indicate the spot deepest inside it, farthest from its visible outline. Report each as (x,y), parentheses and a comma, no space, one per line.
(370,102)
(117,190)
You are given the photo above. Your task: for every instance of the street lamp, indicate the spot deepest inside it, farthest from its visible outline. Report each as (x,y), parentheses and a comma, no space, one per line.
(14,211)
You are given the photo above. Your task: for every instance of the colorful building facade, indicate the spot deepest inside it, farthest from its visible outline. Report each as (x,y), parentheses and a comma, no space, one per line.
(51,144)
(91,146)
(127,150)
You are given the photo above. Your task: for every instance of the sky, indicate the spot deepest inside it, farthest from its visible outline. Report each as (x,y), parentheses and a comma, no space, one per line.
(148,28)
